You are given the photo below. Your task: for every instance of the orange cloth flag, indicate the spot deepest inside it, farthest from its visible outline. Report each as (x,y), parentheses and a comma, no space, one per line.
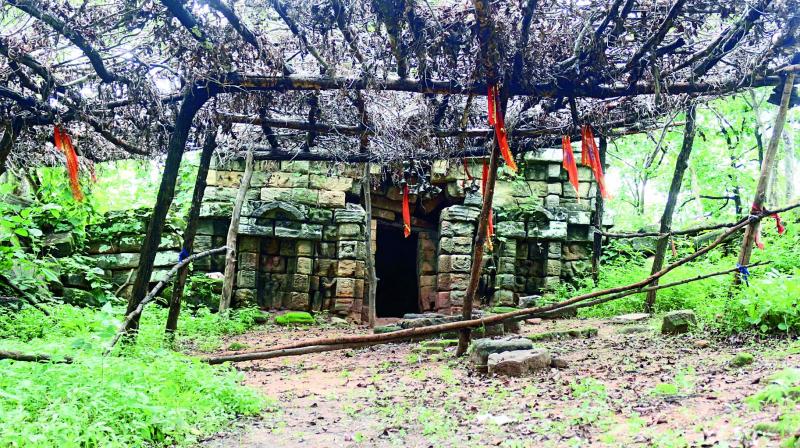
(490,227)
(496,119)
(569,163)
(406,213)
(590,156)
(63,142)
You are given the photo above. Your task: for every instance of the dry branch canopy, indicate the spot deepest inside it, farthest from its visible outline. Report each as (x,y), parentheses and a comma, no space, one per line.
(315,77)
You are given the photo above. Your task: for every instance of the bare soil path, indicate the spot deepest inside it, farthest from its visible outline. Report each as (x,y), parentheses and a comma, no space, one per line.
(620,388)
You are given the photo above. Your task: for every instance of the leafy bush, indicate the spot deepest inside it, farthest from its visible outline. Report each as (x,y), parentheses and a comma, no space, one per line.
(144,395)
(160,398)
(769,304)
(772,304)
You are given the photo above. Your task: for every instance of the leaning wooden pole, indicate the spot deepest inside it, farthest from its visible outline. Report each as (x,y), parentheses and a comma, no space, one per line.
(233,233)
(372,278)
(189,233)
(137,312)
(672,199)
(767,169)
(193,101)
(477,250)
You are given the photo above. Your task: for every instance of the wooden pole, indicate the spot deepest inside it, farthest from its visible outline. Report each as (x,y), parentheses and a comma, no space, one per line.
(597,244)
(34,357)
(192,102)
(477,250)
(672,198)
(137,312)
(233,233)
(372,279)
(191,227)
(767,169)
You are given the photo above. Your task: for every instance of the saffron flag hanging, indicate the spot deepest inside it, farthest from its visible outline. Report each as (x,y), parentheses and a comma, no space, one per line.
(490,224)
(63,142)
(755,210)
(590,156)
(496,119)
(569,163)
(406,213)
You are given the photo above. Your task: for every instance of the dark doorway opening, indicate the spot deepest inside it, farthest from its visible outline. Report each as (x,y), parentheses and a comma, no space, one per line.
(396,268)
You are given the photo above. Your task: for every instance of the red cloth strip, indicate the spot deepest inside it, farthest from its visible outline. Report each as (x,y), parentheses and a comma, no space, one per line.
(63,142)
(569,163)
(406,213)
(593,155)
(496,119)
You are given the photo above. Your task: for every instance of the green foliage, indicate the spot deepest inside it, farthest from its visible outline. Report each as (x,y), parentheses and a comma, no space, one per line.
(143,395)
(682,384)
(768,305)
(202,291)
(295,318)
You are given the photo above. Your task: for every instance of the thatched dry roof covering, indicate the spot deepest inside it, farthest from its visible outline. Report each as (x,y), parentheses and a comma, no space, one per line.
(357,79)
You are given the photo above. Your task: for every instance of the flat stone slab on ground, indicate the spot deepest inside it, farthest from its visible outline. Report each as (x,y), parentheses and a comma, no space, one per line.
(518,363)
(572,333)
(629,318)
(482,348)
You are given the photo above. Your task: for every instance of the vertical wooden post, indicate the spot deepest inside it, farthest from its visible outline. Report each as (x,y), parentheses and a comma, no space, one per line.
(191,227)
(674,190)
(233,233)
(477,250)
(767,168)
(788,165)
(372,280)
(597,245)
(193,101)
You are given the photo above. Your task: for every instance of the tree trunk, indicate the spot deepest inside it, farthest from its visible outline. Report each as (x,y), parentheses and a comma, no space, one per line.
(233,233)
(766,173)
(477,250)
(10,134)
(372,280)
(191,228)
(674,190)
(597,246)
(193,101)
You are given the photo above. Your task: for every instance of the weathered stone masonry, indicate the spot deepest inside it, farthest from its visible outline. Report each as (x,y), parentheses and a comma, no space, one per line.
(302,232)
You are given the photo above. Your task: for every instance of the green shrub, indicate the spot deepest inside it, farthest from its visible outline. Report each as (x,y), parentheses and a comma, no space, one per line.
(159,398)
(771,304)
(143,395)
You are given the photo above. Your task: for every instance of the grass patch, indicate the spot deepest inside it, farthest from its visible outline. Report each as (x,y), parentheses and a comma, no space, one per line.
(145,394)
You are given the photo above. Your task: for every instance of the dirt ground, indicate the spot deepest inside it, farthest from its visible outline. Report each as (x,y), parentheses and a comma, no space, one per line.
(620,388)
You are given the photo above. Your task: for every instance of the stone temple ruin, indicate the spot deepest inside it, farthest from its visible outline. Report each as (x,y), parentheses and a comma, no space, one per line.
(302,246)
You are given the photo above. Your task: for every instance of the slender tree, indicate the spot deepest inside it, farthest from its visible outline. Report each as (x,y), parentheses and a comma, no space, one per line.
(672,198)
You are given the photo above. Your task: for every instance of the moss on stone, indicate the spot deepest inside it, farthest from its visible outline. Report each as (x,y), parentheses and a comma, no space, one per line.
(295,318)
(742,359)
(503,309)
(575,333)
